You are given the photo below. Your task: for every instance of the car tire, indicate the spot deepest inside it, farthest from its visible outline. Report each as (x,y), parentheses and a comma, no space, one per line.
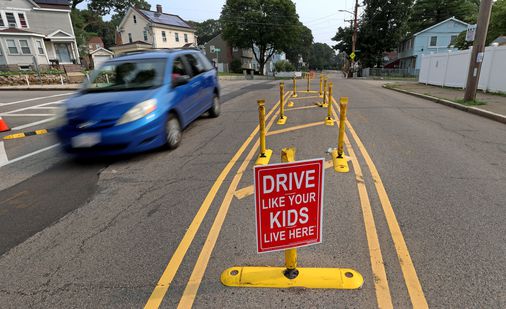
(173,132)
(215,110)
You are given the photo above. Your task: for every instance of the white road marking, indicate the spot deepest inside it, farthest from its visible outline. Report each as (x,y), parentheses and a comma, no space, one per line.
(3,155)
(25,115)
(36,99)
(35,106)
(28,155)
(46,107)
(33,124)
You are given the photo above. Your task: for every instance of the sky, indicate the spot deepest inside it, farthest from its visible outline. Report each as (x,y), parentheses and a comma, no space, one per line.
(321,16)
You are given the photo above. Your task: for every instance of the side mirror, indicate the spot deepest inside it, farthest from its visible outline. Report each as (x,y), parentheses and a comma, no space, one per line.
(180,80)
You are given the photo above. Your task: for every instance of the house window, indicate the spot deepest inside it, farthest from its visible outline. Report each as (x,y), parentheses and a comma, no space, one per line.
(186,38)
(2,24)
(11,20)
(11,45)
(135,19)
(25,49)
(145,35)
(130,38)
(40,49)
(164,36)
(22,20)
(177,37)
(433,41)
(452,40)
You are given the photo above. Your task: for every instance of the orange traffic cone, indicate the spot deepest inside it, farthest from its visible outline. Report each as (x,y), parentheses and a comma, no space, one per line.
(3,126)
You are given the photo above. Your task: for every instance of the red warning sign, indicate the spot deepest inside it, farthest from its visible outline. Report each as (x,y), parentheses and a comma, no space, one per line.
(288,202)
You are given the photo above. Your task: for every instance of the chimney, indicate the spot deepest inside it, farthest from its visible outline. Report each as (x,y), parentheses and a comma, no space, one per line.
(159,8)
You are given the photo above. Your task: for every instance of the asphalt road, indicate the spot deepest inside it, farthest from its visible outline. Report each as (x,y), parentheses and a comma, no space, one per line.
(420,215)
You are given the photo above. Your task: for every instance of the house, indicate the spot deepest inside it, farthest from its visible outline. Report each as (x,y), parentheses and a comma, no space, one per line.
(97,53)
(36,32)
(500,41)
(437,38)
(142,29)
(95,43)
(222,54)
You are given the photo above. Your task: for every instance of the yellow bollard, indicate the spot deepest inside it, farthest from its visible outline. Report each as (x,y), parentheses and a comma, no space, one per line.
(321,85)
(265,154)
(291,272)
(325,99)
(282,117)
(340,162)
(329,121)
(294,95)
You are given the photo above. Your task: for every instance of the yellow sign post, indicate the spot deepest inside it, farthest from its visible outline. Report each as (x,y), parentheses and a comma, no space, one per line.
(321,85)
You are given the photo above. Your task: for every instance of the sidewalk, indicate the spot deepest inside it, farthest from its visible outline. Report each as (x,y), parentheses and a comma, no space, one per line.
(495,107)
(42,87)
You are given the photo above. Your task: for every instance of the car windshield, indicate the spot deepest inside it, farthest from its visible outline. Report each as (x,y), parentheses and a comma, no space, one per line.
(127,75)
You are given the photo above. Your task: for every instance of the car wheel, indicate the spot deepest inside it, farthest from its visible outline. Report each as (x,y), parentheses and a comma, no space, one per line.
(173,132)
(215,110)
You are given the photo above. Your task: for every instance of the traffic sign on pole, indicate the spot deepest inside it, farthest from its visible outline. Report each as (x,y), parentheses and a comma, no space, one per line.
(288,202)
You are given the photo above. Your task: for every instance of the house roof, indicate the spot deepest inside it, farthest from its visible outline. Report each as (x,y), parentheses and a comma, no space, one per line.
(19,31)
(501,40)
(57,2)
(134,43)
(101,49)
(164,19)
(440,23)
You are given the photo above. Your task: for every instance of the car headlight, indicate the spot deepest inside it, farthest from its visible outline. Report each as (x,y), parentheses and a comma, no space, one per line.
(138,111)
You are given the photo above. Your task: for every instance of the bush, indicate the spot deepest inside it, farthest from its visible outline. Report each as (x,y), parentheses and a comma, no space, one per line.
(236,66)
(284,66)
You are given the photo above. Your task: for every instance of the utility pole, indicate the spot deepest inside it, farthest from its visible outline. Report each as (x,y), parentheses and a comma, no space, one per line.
(473,76)
(354,37)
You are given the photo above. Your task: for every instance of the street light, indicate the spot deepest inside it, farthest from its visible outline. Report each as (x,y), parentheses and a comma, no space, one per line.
(346,11)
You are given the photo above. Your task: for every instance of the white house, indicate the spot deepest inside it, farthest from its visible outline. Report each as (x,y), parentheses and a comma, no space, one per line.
(36,32)
(143,29)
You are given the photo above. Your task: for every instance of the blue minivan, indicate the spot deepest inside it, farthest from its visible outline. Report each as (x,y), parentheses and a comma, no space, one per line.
(138,102)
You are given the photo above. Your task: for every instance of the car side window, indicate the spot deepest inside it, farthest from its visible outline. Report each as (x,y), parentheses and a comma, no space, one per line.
(178,68)
(195,65)
(206,64)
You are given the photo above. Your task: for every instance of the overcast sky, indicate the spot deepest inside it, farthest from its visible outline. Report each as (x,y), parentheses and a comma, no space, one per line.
(321,16)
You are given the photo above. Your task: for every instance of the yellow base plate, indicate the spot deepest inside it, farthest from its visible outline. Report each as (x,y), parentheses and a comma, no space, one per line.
(290,104)
(294,95)
(311,278)
(264,160)
(325,105)
(282,121)
(329,122)
(321,96)
(340,164)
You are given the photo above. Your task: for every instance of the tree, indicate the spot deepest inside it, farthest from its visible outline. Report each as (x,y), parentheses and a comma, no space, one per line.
(265,26)
(105,7)
(343,38)
(284,66)
(460,41)
(299,47)
(426,13)
(497,21)
(206,30)
(382,27)
(322,57)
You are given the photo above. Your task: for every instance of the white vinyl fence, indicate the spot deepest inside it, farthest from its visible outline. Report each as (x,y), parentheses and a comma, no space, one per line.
(450,69)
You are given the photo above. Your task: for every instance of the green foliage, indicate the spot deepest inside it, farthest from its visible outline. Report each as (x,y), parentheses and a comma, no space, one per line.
(271,25)
(284,66)
(497,21)
(236,66)
(105,7)
(461,42)
(322,57)
(206,30)
(470,103)
(426,13)
(343,38)
(299,47)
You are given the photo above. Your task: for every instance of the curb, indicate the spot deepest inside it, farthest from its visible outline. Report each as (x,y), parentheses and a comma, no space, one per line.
(48,88)
(469,109)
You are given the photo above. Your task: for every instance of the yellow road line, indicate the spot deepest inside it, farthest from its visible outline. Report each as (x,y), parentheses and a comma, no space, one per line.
(408,269)
(165,280)
(302,126)
(301,107)
(193,285)
(248,191)
(383,296)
